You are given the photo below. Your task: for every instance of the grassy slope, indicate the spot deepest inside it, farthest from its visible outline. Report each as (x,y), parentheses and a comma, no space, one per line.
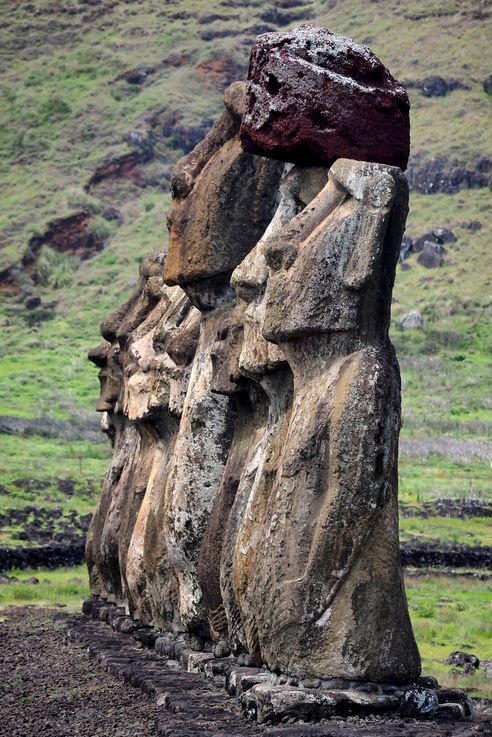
(60,118)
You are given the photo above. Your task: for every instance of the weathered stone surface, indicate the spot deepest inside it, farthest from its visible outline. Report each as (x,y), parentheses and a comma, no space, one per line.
(223,199)
(419,702)
(253,400)
(314,96)
(461,659)
(338,275)
(265,364)
(155,389)
(266,703)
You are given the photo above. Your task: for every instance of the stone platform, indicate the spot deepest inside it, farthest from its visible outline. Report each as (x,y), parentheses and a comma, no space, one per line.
(203,694)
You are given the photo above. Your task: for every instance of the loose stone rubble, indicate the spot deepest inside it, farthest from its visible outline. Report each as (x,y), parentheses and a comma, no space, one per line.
(252,397)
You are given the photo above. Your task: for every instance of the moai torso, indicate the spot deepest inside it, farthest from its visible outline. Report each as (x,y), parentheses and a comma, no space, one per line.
(123,486)
(265,364)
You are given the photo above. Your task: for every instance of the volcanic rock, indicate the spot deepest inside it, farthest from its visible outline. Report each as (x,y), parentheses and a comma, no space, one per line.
(431,255)
(461,659)
(314,96)
(411,320)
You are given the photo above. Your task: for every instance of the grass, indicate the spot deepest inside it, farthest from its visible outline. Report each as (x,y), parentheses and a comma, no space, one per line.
(452,614)
(67,586)
(438,477)
(50,459)
(470,531)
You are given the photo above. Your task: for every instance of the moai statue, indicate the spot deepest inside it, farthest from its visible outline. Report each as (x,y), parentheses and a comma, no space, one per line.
(264,364)
(111,526)
(250,414)
(155,394)
(333,600)
(105,356)
(223,199)
(316,571)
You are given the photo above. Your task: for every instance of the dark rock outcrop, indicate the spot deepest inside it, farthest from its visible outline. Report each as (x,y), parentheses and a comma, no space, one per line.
(119,167)
(487,85)
(431,255)
(442,174)
(436,86)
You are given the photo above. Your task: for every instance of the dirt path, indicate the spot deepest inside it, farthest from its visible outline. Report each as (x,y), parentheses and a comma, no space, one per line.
(50,687)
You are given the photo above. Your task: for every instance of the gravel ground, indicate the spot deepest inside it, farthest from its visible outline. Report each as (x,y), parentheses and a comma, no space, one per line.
(50,687)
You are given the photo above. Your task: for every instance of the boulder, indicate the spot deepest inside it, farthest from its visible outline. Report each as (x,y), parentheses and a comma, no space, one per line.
(314,96)
(486,666)
(266,703)
(431,255)
(461,659)
(434,86)
(472,225)
(419,702)
(411,320)
(487,85)
(444,235)
(406,248)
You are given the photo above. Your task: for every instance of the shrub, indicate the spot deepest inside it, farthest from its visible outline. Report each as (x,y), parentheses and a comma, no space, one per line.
(54,110)
(77,200)
(55,269)
(99,228)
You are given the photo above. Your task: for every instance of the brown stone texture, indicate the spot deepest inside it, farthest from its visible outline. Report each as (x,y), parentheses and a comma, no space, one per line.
(314,96)
(252,394)
(223,199)
(330,557)
(252,492)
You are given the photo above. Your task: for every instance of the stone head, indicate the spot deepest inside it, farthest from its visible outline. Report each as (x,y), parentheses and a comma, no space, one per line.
(145,296)
(223,199)
(106,357)
(159,356)
(332,267)
(226,351)
(259,356)
(174,343)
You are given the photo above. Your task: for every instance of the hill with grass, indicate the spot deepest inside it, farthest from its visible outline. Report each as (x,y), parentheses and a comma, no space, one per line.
(98,100)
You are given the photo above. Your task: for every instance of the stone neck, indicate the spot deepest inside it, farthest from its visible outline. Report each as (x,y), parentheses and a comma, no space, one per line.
(277,385)
(312,356)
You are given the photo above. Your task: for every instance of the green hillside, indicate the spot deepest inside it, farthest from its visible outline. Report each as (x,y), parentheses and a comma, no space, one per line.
(99,99)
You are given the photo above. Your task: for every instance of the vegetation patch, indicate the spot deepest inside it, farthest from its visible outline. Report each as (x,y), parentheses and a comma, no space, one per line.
(64,588)
(452,614)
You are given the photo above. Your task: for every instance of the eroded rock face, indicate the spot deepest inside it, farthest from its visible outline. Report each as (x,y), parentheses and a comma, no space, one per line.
(314,96)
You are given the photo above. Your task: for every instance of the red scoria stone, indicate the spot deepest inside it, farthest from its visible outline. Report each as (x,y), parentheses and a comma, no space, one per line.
(314,97)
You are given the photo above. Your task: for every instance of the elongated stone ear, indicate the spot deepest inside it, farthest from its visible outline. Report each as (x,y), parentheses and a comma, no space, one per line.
(376,201)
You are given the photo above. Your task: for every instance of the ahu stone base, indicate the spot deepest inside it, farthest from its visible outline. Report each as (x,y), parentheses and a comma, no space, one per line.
(267,698)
